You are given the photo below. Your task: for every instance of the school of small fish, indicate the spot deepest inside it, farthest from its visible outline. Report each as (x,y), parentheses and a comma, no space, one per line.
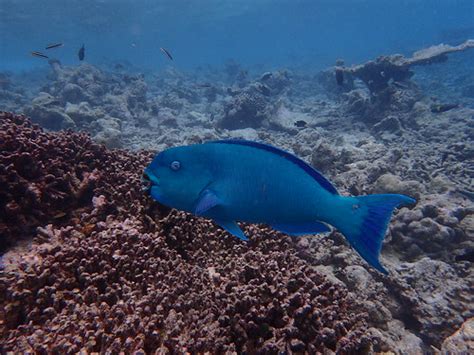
(81,54)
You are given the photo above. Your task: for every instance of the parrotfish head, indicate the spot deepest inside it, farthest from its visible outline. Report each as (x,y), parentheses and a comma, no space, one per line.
(177,176)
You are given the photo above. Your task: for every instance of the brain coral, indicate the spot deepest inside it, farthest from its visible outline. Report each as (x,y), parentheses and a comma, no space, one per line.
(119,273)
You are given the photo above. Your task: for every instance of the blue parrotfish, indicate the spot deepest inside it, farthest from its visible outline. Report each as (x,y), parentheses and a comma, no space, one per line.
(238,180)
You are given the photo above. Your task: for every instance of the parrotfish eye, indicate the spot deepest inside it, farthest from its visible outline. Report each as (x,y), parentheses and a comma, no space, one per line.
(175,165)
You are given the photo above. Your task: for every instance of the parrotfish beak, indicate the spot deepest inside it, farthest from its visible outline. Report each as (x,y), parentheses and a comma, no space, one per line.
(146,183)
(148,180)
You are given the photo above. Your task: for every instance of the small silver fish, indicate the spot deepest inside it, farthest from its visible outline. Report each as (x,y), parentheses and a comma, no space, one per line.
(54,45)
(166,52)
(204,85)
(39,54)
(82,52)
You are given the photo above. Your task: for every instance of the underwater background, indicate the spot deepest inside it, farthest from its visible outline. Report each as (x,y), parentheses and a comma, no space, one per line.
(378,96)
(265,33)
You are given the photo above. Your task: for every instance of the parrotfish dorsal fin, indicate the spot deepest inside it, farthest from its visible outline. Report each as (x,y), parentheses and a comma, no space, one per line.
(322,181)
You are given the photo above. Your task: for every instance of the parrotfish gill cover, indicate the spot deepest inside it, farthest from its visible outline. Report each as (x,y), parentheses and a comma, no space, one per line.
(238,180)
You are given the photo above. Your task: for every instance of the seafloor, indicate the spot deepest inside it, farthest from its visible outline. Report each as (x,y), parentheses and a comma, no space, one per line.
(90,263)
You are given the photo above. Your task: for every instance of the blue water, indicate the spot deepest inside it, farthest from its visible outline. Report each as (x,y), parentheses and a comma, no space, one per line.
(263,33)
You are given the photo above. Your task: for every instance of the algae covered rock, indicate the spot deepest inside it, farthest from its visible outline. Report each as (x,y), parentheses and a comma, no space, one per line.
(248,109)
(73,93)
(50,117)
(109,132)
(82,113)
(462,341)
(389,183)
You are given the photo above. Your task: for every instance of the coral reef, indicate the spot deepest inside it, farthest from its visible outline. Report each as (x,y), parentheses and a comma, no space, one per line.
(413,137)
(50,178)
(120,274)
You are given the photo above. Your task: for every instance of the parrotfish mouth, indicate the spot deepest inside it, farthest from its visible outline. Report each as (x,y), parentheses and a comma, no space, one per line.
(149,180)
(146,183)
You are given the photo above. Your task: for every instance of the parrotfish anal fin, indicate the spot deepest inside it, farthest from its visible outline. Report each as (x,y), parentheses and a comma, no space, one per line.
(232,228)
(207,200)
(302,228)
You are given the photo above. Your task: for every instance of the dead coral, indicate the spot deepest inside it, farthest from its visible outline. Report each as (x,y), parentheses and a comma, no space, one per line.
(379,73)
(387,79)
(248,108)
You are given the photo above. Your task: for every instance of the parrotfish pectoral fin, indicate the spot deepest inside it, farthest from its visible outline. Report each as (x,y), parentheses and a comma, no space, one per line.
(367,222)
(233,228)
(302,229)
(207,200)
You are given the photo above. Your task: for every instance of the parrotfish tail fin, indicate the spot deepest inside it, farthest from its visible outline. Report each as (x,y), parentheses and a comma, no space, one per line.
(367,223)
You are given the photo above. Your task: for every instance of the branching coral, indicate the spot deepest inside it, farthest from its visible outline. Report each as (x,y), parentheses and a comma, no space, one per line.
(47,178)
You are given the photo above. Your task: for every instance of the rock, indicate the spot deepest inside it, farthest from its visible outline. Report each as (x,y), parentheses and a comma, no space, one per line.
(440,184)
(45,99)
(357,276)
(379,74)
(462,341)
(389,183)
(73,93)
(110,132)
(82,113)
(246,109)
(246,133)
(388,124)
(327,80)
(324,157)
(275,82)
(467,223)
(284,120)
(400,340)
(109,137)
(433,293)
(357,102)
(50,118)
(195,118)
